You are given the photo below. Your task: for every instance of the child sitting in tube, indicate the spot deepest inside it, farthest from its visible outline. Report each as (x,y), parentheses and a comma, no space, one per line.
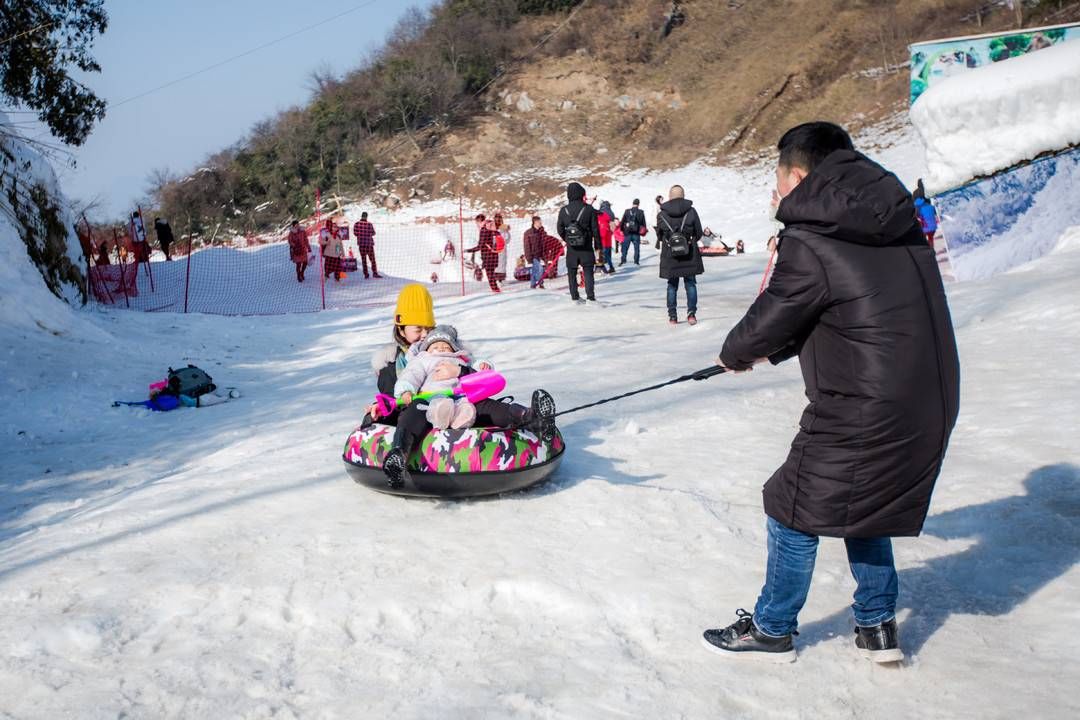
(440,348)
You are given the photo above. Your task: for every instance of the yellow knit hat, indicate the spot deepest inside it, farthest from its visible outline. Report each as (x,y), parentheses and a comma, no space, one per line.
(414,307)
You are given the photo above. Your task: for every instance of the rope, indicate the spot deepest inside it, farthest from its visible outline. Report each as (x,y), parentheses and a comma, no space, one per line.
(702,374)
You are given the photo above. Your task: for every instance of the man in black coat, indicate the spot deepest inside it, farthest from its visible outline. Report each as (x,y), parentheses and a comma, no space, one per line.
(678,217)
(632,225)
(857,295)
(164,235)
(578,228)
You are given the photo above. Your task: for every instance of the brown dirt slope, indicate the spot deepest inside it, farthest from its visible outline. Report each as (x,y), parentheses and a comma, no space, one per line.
(608,90)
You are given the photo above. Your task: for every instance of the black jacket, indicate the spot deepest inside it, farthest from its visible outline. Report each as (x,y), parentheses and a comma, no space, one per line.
(857,294)
(164,232)
(674,211)
(575,193)
(638,216)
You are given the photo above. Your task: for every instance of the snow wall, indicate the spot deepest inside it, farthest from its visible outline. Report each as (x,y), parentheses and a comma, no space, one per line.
(41,261)
(1003,153)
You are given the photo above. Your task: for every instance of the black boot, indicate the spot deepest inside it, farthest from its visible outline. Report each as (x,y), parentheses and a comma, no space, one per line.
(879,643)
(543,411)
(396,466)
(742,638)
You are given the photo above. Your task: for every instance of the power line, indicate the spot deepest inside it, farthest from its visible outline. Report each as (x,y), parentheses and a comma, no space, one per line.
(28,32)
(228,60)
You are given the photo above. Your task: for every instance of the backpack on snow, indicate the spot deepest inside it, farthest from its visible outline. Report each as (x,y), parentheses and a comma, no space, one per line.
(678,241)
(575,234)
(190,381)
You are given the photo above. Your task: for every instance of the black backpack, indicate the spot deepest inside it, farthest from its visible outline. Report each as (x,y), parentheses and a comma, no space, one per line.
(190,381)
(678,241)
(630,225)
(575,234)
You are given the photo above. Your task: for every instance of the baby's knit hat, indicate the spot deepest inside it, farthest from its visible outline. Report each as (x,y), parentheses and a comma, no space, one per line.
(442,333)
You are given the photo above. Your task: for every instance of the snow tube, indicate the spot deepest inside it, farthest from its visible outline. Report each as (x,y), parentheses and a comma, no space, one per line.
(716,251)
(456,463)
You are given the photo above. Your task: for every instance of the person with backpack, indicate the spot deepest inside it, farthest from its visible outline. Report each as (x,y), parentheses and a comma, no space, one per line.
(364,232)
(579,229)
(679,229)
(633,227)
(299,249)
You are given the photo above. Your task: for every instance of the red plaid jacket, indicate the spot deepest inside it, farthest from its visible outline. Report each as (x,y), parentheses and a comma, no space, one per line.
(364,232)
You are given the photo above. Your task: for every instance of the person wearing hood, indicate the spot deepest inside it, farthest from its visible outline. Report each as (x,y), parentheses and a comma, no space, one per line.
(679,230)
(857,296)
(579,229)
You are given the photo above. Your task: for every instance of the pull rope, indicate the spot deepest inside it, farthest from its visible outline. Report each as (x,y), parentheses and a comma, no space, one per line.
(702,374)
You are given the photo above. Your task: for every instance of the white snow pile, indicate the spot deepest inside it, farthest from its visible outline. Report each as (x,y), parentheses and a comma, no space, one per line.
(25,301)
(219,563)
(996,116)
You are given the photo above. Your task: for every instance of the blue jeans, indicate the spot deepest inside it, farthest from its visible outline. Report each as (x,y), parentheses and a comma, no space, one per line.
(673,295)
(791,565)
(607,260)
(535,273)
(631,238)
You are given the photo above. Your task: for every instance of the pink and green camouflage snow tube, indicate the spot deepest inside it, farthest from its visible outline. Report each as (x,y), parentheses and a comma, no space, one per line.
(456,451)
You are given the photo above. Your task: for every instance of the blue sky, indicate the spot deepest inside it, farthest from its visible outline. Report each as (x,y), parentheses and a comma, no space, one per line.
(151,43)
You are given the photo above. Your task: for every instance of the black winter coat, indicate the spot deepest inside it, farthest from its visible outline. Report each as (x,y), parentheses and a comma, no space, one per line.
(857,294)
(674,211)
(164,232)
(575,193)
(635,214)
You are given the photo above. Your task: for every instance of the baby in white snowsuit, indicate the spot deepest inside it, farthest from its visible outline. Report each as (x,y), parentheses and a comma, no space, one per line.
(440,347)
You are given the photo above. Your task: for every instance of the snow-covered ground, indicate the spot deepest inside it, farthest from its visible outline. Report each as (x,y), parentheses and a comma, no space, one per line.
(219,563)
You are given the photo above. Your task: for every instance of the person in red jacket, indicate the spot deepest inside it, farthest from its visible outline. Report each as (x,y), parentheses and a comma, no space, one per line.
(299,249)
(605,219)
(489,253)
(364,232)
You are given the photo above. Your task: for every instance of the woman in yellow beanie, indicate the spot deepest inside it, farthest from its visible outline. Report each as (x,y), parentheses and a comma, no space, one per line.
(414,317)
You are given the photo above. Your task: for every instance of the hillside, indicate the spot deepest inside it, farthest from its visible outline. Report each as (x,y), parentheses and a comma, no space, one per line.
(466,100)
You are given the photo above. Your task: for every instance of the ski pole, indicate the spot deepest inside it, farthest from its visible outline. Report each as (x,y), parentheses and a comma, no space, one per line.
(702,374)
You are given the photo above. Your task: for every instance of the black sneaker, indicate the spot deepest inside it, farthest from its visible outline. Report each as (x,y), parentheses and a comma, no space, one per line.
(394,465)
(879,643)
(743,638)
(543,410)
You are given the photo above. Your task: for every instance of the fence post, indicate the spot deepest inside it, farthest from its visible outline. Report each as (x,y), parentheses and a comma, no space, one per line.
(461,241)
(120,261)
(149,271)
(187,273)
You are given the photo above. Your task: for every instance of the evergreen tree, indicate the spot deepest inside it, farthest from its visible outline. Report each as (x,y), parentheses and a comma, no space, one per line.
(40,40)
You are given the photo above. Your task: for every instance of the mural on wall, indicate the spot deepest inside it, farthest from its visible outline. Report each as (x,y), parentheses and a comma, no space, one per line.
(933,61)
(1015,216)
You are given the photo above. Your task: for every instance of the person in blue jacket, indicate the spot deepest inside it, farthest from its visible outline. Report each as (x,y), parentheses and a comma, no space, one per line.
(927,218)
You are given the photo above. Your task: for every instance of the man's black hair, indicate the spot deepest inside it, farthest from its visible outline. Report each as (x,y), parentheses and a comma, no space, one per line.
(806,145)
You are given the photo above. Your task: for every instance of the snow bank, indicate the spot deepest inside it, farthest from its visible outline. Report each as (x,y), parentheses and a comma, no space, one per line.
(996,116)
(25,300)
